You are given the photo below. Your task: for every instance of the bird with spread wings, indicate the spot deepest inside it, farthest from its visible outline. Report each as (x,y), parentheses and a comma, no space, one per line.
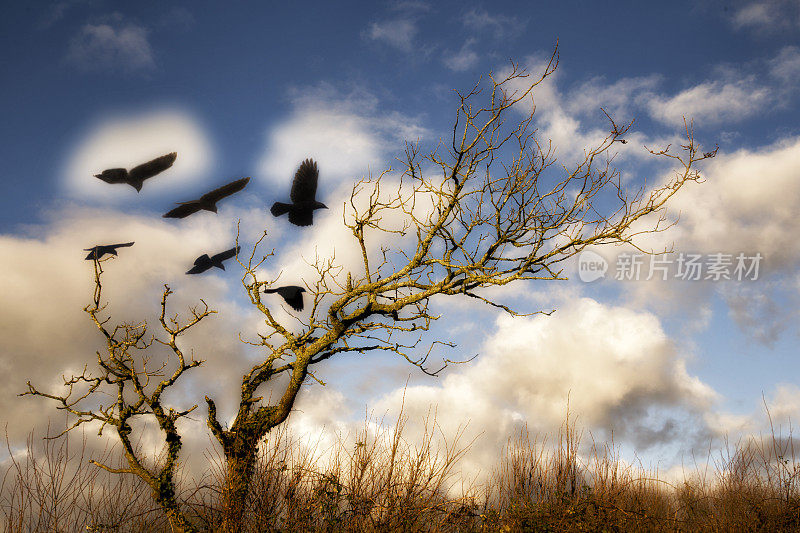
(135,177)
(303,196)
(292,294)
(208,201)
(102,249)
(204,262)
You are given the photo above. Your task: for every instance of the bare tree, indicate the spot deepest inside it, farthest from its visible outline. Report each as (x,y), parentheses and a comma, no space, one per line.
(498,210)
(485,221)
(136,387)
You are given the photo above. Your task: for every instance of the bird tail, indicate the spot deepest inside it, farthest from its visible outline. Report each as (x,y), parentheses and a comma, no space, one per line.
(270,290)
(279,208)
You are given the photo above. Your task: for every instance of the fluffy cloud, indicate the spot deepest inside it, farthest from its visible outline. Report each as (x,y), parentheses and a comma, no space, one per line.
(397,33)
(571,117)
(129,140)
(112,45)
(464,59)
(747,203)
(735,93)
(713,102)
(344,132)
(615,369)
(47,283)
(786,65)
(499,25)
(767,16)
(619,98)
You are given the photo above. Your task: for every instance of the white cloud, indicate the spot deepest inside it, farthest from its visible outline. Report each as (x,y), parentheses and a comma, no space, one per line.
(571,116)
(344,132)
(767,16)
(786,65)
(713,102)
(755,14)
(464,59)
(572,119)
(499,25)
(772,414)
(746,204)
(111,45)
(614,367)
(618,98)
(47,283)
(398,33)
(129,140)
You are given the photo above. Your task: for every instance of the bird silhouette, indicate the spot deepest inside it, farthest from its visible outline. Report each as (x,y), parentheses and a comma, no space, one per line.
(292,294)
(303,196)
(135,177)
(102,249)
(208,201)
(203,263)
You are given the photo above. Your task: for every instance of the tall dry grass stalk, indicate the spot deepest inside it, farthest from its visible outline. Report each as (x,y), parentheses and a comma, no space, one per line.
(50,486)
(378,481)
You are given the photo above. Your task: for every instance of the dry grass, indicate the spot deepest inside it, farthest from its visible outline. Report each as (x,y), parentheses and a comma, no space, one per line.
(383,483)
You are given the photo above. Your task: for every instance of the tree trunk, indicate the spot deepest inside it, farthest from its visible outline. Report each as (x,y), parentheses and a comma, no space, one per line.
(164,494)
(240,461)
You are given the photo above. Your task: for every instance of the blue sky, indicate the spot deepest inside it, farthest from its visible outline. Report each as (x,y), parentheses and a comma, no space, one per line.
(252,88)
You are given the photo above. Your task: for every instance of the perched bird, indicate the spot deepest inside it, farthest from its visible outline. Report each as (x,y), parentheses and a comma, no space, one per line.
(135,177)
(303,196)
(203,263)
(208,201)
(292,294)
(102,249)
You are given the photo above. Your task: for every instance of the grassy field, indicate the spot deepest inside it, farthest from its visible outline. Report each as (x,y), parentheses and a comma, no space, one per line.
(383,483)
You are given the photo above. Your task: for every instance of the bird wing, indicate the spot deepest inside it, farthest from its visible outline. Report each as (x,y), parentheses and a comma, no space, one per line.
(153,167)
(123,245)
(197,269)
(226,190)
(294,299)
(93,252)
(203,259)
(304,186)
(113,175)
(182,211)
(227,254)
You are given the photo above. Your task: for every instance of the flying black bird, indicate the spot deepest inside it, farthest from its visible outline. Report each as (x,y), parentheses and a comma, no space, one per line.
(135,177)
(203,263)
(304,191)
(292,294)
(208,201)
(102,249)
